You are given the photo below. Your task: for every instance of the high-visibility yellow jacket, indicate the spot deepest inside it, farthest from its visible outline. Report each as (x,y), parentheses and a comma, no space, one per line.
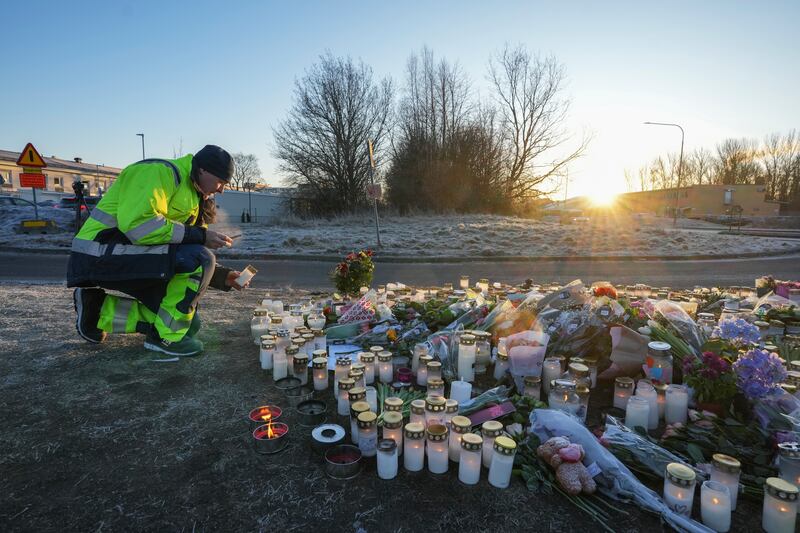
(132,232)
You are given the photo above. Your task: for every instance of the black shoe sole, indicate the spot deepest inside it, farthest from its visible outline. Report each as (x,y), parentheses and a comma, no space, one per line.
(77,301)
(158,348)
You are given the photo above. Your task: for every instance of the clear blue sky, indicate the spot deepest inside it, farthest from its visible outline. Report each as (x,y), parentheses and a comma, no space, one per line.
(83,78)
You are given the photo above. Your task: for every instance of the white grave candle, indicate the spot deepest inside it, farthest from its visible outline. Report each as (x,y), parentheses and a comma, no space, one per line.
(460,391)
(368,360)
(386,371)
(320,369)
(551,369)
(726,470)
(679,481)
(780,506)
(637,412)
(469,464)
(677,404)
(414,447)
(490,430)
(280,367)
(502,462)
(466,357)
(387,459)
(393,428)
(623,388)
(459,426)
(437,448)
(715,506)
(648,392)
(372,399)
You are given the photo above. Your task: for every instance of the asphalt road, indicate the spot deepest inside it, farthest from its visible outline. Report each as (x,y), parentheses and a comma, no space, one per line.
(40,268)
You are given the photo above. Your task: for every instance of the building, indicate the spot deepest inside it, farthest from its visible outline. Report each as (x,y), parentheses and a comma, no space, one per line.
(59,175)
(701,200)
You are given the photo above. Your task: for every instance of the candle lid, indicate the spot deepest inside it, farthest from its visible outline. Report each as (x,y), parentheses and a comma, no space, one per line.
(660,348)
(590,362)
(451,406)
(433,364)
(437,432)
(415,430)
(367,419)
(661,388)
(318,332)
(726,463)
(502,356)
(367,357)
(267,337)
(680,474)
(292,349)
(384,356)
(467,339)
(392,403)
(259,311)
(299,342)
(491,428)
(464,277)
(532,380)
(343,361)
(577,360)
(346,384)
(356,393)
(435,404)
(471,442)
(357,408)
(582,390)
(435,383)
(789,449)
(579,369)
(308,336)
(276,319)
(268,345)
(505,446)
(282,333)
(319,353)
(460,424)
(392,420)
(356,374)
(319,362)
(795,365)
(418,407)
(783,490)
(376,349)
(481,334)
(387,445)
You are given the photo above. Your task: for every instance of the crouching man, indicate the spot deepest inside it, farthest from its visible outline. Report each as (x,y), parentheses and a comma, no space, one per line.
(148,238)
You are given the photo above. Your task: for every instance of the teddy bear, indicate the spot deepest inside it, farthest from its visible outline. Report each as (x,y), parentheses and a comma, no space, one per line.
(566,459)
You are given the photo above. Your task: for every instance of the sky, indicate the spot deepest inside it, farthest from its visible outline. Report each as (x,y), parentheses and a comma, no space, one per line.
(83,78)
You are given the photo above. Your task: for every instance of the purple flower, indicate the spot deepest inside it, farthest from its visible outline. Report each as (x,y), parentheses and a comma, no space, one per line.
(738,331)
(759,373)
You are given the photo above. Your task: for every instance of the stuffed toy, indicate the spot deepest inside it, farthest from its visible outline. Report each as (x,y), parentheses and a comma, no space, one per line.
(566,459)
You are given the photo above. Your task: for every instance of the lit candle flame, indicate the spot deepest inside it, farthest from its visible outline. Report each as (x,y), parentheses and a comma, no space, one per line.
(715,501)
(270,433)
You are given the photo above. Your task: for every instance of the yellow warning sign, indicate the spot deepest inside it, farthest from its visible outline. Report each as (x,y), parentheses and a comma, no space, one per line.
(30,157)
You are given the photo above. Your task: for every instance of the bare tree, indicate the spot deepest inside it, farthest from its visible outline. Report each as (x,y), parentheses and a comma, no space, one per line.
(532,110)
(246,172)
(736,162)
(702,166)
(322,144)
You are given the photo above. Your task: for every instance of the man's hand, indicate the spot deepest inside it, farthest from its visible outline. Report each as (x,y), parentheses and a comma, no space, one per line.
(230,281)
(215,240)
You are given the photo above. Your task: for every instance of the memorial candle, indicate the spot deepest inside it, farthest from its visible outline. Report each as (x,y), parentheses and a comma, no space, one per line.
(368,360)
(679,481)
(320,368)
(715,506)
(780,506)
(490,430)
(418,412)
(393,428)
(450,410)
(357,407)
(647,391)
(502,462)
(551,369)
(368,434)
(437,448)
(280,368)
(469,467)
(637,412)
(466,357)
(266,354)
(387,458)
(726,470)
(385,370)
(300,366)
(420,349)
(459,426)
(422,370)
(414,447)
(434,410)
(342,369)
(343,404)
(677,404)
(461,391)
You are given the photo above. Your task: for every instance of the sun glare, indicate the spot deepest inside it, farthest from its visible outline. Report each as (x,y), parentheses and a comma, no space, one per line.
(602,198)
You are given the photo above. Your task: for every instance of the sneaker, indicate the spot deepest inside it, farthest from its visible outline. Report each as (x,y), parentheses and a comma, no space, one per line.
(194,328)
(185,347)
(87,305)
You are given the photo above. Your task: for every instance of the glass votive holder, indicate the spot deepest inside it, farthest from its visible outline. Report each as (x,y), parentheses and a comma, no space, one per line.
(435,386)
(779,512)
(679,483)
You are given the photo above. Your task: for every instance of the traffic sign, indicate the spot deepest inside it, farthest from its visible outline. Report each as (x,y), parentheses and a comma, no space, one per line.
(30,157)
(37,181)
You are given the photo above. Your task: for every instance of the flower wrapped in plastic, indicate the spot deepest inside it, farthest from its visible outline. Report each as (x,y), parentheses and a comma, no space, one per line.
(737,331)
(759,373)
(614,479)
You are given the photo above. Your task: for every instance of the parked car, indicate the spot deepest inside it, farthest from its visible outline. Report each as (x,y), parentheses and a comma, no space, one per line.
(13,200)
(69,202)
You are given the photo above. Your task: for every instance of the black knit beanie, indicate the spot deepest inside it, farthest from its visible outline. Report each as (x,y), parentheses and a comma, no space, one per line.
(215,160)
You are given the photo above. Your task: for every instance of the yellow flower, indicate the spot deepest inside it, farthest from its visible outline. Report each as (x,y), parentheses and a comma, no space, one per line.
(391,335)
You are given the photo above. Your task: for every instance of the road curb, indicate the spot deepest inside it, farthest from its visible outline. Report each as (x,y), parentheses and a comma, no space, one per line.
(447,259)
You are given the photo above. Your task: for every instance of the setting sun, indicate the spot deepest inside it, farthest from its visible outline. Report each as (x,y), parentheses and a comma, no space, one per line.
(602,198)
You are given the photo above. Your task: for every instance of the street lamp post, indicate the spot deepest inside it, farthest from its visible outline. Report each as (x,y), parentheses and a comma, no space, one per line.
(142,136)
(680,167)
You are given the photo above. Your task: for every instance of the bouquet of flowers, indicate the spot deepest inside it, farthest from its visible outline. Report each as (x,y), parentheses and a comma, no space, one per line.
(711,378)
(759,373)
(354,272)
(738,332)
